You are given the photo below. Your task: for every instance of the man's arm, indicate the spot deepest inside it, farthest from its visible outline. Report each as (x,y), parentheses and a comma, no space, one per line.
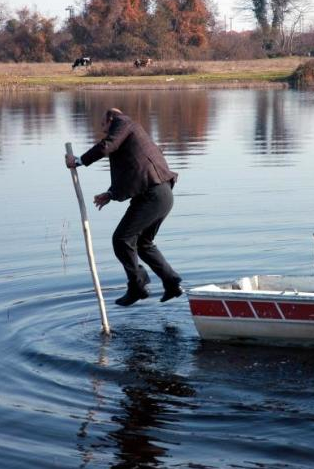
(118,132)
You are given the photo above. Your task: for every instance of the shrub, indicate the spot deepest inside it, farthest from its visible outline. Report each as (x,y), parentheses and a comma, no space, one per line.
(118,69)
(303,76)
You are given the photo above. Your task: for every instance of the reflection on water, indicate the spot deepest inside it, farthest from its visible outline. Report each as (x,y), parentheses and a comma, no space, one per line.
(181,123)
(153,395)
(152,400)
(276,134)
(150,403)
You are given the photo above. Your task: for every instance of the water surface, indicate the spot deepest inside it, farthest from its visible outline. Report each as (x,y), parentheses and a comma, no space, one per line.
(153,395)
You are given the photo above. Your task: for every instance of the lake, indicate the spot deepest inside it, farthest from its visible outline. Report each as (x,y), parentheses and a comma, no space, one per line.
(153,395)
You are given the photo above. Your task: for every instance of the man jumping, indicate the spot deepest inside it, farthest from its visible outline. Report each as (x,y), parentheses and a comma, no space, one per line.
(139,172)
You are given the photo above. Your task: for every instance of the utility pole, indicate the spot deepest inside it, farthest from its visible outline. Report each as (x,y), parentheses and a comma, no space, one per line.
(70,9)
(231,18)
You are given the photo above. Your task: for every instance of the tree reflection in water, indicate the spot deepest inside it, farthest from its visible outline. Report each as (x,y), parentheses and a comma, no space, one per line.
(275,137)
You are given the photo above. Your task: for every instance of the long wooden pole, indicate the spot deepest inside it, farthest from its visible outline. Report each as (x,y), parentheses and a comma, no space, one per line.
(88,243)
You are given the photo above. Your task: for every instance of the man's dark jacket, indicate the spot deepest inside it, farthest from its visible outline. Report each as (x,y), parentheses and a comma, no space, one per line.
(136,163)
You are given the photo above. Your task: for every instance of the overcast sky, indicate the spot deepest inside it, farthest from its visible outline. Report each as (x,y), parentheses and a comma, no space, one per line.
(228,14)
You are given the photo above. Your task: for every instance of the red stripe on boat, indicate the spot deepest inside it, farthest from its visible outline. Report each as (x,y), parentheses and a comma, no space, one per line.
(214,308)
(240,309)
(266,310)
(297,311)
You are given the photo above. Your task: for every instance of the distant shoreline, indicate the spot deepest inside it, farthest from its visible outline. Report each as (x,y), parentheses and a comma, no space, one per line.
(263,73)
(152,86)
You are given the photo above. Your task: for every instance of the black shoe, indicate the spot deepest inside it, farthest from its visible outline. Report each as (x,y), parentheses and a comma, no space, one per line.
(172,292)
(132,296)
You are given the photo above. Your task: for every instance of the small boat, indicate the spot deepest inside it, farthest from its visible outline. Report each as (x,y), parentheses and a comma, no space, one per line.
(271,308)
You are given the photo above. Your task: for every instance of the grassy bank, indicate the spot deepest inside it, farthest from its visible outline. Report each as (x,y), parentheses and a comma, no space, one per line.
(207,74)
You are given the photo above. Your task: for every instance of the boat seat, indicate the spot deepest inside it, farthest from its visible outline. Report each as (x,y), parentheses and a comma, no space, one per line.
(245,284)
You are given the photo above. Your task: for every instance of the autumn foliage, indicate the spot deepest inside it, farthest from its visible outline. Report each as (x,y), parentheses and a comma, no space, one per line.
(27,37)
(111,29)
(126,29)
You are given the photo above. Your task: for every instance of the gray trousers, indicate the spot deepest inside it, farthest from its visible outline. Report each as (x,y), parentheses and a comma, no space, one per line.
(134,236)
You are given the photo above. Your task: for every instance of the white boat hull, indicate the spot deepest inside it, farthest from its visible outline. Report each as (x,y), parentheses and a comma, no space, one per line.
(224,313)
(227,329)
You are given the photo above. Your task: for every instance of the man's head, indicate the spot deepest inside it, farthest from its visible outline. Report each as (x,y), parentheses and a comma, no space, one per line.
(108,117)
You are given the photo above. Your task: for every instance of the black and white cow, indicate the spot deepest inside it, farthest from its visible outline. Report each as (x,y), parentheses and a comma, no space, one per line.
(82,61)
(138,63)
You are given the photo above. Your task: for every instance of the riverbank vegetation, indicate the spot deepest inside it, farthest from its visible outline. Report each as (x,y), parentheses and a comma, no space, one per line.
(184,39)
(110,74)
(303,76)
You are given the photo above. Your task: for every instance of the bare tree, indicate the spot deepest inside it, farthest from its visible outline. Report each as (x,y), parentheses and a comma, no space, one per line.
(257,9)
(278,21)
(295,11)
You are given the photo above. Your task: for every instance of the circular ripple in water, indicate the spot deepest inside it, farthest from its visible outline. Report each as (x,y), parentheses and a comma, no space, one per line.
(151,395)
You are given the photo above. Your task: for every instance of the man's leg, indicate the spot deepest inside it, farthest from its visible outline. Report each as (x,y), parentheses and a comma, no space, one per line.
(140,214)
(150,254)
(144,215)
(125,245)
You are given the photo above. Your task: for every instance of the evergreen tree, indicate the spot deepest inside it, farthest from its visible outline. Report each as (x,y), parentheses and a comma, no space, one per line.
(279,8)
(260,11)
